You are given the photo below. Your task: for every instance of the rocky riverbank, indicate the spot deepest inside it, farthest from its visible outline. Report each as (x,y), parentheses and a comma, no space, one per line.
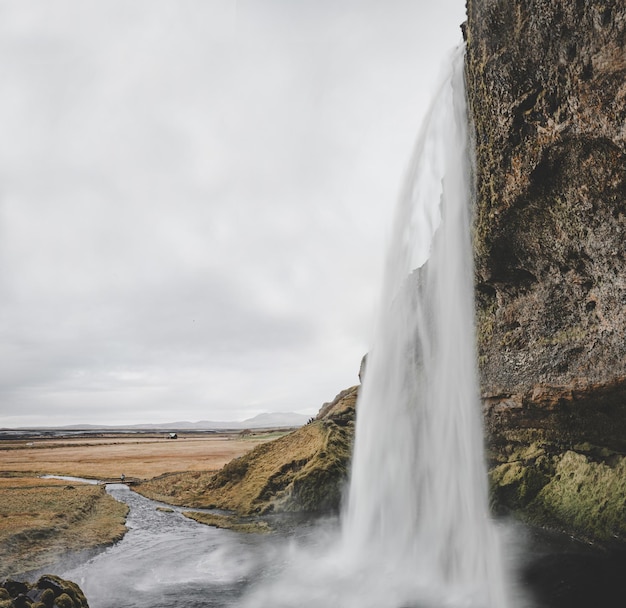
(48,592)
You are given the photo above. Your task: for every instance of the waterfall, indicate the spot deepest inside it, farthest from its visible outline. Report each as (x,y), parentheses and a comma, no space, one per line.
(418,492)
(416,530)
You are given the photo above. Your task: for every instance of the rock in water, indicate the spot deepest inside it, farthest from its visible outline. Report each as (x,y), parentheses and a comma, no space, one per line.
(547,93)
(48,591)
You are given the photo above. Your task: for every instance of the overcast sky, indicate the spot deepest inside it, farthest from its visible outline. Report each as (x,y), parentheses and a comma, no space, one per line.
(195,197)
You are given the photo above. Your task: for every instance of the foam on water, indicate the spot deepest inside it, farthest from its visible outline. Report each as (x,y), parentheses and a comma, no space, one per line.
(418,494)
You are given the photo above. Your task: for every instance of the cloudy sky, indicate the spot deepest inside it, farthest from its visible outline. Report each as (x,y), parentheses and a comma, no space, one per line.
(195,197)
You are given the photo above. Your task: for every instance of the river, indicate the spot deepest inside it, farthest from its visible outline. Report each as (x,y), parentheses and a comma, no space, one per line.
(167,560)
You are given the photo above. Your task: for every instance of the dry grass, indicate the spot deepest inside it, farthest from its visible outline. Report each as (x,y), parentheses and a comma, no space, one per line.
(42,519)
(300,471)
(193,488)
(181,489)
(137,457)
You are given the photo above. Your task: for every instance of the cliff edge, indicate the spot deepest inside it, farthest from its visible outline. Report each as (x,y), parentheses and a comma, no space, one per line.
(547,95)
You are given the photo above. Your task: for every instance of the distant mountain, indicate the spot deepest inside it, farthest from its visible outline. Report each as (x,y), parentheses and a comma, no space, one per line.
(281,419)
(267,420)
(261,421)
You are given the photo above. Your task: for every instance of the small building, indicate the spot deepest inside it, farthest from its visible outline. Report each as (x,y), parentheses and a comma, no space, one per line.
(172,436)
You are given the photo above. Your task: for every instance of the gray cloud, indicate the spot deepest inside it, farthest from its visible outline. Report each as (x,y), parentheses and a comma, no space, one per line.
(194,199)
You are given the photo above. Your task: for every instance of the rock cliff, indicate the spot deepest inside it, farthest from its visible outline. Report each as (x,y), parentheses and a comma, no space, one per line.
(547,99)
(547,95)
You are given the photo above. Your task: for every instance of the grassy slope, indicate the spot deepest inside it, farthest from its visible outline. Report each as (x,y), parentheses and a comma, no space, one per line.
(302,471)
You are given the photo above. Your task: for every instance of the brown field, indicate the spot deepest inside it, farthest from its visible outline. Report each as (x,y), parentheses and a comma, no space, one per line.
(137,457)
(43,519)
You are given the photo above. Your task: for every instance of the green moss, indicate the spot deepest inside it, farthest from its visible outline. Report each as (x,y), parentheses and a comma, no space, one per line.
(64,601)
(514,485)
(47,597)
(486,308)
(584,496)
(596,452)
(512,338)
(68,589)
(565,336)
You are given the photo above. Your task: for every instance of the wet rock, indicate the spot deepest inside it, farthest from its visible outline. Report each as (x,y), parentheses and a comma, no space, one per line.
(15,588)
(63,601)
(48,592)
(548,102)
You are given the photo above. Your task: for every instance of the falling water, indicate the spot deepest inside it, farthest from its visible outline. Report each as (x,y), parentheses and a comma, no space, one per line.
(416,530)
(418,494)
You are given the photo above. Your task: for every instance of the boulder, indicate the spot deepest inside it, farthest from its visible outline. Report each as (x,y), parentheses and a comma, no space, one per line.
(49,592)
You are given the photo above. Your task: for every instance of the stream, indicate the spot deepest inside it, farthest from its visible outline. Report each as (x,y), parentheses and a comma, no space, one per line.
(166,560)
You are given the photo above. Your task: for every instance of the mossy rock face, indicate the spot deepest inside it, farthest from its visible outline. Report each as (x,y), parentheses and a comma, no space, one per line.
(49,592)
(588,497)
(545,85)
(545,88)
(63,601)
(571,492)
(514,485)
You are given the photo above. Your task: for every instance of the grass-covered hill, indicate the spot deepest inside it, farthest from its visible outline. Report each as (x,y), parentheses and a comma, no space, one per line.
(305,470)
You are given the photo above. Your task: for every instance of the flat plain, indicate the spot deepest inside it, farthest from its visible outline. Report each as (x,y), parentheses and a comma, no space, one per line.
(43,519)
(137,456)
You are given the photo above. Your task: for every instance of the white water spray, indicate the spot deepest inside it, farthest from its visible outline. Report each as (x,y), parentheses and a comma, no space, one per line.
(418,494)
(416,531)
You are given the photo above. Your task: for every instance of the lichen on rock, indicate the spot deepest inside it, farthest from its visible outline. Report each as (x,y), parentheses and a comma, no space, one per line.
(547,96)
(585,496)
